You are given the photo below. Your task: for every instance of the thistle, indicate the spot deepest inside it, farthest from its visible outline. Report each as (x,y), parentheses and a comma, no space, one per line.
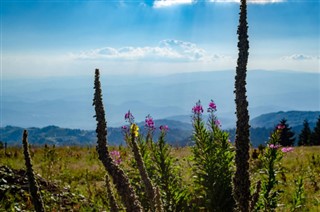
(121,181)
(241,179)
(33,187)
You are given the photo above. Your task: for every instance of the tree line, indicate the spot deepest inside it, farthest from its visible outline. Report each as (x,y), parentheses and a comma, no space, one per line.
(307,137)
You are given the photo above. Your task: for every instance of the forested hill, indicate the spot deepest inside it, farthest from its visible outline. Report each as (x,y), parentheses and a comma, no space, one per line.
(294,118)
(178,135)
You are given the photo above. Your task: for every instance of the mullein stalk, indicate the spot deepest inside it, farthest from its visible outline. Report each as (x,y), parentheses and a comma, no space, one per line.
(112,200)
(241,178)
(33,186)
(121,181)
(150,189)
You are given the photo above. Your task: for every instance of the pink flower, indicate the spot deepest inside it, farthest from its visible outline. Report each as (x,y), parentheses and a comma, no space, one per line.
(115,155)
(164,128)
(129,117)
(273,146)
(280,127)
(287,149)
(197,109)
(149,123)
(124,127)
(217,123)
(212,107)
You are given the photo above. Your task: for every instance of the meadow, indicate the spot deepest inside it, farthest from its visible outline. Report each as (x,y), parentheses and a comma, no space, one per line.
(79,169)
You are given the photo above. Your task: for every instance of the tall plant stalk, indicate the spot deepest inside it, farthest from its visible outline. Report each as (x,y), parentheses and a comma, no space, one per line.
(33,186)
(121,181)
(241,179)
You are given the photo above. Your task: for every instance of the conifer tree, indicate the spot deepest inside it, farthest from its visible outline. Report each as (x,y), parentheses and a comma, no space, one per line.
(287,137)
(305,135)
(315,135)
(241,179)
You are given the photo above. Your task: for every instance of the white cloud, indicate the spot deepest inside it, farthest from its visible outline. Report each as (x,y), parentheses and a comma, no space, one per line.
(168,3)
(300,57)
(167,50)
(250,1)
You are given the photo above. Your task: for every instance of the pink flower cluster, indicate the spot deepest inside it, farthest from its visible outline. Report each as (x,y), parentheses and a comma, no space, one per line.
(287,149)
(280,127)
(217,123)
(197,109)
(212,107)
(149,123)
(129,117)
(115,155)
(164,128)
(274,146)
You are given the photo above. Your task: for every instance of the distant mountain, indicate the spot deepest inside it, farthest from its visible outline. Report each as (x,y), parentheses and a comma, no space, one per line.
(67,101)
(178,135)
(295,118)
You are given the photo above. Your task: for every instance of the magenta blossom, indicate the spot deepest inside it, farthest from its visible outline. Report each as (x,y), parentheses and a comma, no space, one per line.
(129,117)
(164,128)
(124,127)
(274,146)
(280,127)
(217,123)
(149,123)
(197,109)
(287,149)
(212,107)
(115,155)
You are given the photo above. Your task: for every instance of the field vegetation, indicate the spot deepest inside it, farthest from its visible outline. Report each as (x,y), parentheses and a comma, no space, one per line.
(78,169)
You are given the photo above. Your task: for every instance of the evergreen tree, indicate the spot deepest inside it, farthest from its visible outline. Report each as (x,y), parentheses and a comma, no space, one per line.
(287,136)
(315,135)
(304,137)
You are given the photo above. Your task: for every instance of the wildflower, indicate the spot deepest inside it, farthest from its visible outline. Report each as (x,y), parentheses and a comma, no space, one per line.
(149,123)
(129,117)
(124,127)
(274,146)
(212,107)
(287,149)
(217,123)
(164,128)
(197,109)
(115,155)
(134,130)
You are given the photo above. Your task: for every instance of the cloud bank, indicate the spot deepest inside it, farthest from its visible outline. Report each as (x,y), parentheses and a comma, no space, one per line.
(168,50)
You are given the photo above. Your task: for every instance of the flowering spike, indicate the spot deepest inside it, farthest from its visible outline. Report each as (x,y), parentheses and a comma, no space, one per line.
(197,109)
(129,117)
(212,107)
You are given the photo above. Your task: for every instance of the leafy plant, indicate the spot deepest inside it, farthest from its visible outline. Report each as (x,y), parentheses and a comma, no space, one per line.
(213,163)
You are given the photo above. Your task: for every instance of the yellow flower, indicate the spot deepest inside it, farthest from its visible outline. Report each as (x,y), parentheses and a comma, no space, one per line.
(134,130)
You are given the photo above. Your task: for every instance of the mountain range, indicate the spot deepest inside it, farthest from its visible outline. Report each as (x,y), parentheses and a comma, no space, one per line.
(179,134)
(67,101)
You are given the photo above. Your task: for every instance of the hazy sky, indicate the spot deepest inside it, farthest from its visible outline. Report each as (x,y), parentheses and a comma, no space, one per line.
(72,37)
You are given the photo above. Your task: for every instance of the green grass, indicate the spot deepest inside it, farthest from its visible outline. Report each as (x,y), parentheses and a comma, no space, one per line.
(80,169)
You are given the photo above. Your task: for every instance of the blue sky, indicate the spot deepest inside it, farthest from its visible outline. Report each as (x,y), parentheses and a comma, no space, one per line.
(57,38)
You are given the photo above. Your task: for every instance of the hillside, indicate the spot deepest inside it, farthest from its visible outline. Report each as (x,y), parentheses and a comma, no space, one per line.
(179,134)
(295,118)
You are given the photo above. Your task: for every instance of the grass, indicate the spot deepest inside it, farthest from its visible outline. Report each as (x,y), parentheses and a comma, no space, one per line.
(80,169)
